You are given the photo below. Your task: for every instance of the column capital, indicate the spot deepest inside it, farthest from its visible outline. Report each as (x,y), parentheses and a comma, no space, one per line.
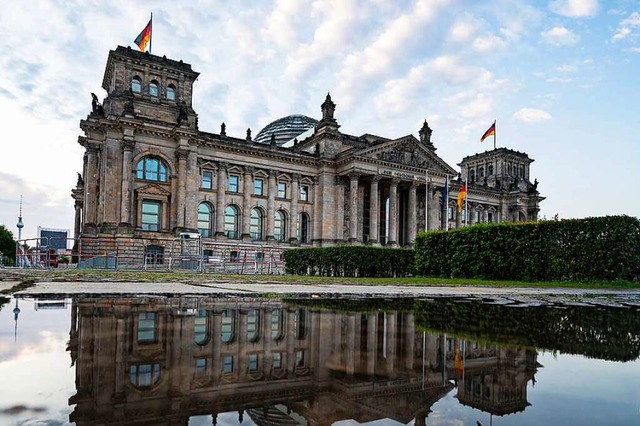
(222,166)
(354,175)
(376,179)
(273,173)
(415,184)
(127,144)
(248,170)
(395,181)
(296,177)
(182,153)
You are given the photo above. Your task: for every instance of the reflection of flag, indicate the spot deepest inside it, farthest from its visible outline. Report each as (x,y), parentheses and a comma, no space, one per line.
(490,131)
(462,195)
(144,37)
(457,361)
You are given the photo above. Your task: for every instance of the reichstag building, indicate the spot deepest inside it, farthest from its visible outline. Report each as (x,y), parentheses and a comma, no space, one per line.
(150,174)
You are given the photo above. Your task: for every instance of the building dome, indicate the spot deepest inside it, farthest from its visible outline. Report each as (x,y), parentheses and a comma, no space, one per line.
(286,128)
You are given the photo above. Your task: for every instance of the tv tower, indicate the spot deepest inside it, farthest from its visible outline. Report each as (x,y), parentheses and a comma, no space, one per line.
(20,225)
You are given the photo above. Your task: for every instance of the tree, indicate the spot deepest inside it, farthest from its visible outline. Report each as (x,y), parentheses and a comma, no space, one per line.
(7,244)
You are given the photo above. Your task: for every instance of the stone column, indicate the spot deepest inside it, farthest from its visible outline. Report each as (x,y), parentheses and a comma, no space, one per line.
(247,180)
(191,198)
(339,217)
(125,204)
(393,212)
(221,198)
(412,222)
(353,207)
(77,222)
(90,181)
(374,211)
(181,156)
(271,203)
(293,222)
(317,211)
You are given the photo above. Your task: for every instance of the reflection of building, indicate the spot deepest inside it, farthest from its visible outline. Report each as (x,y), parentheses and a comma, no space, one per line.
(150,172)
(159,361)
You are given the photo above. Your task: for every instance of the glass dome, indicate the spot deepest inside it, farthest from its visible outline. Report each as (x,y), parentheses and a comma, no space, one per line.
(286,128)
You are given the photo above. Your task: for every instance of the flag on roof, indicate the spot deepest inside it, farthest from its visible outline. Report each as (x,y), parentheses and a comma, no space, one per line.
(144,37)
(490,131)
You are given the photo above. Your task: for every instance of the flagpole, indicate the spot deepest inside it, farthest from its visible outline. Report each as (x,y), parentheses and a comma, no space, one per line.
(426,200)
(494,134)
(151,44)
(466,197)
(446,204)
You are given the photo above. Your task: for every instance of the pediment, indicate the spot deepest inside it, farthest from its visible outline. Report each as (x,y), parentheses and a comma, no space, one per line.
(407,151)
(153,189)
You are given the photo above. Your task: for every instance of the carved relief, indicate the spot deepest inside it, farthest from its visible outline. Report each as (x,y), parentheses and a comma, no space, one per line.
(404,153)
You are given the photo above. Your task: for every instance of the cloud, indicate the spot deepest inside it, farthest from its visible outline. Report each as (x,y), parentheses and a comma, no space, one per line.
(560,36)
(463,29)
(487,43)
(531,115)
(635,49)
(627,26)
(566,68)
(574,8)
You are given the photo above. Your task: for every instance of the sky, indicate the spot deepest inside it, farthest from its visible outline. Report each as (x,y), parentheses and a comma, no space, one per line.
(560,77)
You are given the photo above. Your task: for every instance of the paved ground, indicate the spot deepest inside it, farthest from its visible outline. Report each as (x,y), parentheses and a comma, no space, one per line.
(526,296)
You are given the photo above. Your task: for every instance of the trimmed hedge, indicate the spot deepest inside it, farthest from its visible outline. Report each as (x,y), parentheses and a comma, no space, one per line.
(599,248)
(349,261)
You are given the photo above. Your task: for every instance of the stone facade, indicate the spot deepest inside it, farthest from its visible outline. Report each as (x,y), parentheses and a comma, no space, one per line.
(150,174)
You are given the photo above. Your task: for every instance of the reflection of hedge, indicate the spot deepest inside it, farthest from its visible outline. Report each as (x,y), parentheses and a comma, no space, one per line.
(612,334)
(601,248)
(349,261)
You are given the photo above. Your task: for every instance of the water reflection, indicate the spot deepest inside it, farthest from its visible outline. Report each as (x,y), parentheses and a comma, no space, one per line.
(161,361)
(203,361)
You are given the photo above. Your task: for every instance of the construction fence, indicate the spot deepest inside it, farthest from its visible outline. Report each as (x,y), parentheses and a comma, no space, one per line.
(188,253)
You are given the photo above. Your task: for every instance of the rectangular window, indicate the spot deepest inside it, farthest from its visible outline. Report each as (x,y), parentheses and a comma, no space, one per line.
(477,217)
(146,327)
(253,363)
(227,364)
(450,213)
(282,190)
(150,215)
(233,183)
(304,193)
(207,180)
(277,360)
(489,217)
(258,185)
(201,366)
(300,358)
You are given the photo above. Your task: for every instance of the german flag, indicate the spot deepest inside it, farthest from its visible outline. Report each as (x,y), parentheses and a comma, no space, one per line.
(144,37)
(462,194)
(490,131)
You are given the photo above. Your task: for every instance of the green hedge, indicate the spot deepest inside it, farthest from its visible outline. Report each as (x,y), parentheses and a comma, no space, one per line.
(600,248)
(349,261)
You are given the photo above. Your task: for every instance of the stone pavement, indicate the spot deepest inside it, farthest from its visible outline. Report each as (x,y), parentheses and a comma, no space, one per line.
(529,296)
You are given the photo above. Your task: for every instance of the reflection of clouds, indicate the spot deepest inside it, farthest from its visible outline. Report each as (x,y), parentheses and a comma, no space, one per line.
(45,342)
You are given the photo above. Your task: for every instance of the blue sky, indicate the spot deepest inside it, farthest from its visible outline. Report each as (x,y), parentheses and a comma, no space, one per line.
(560,77)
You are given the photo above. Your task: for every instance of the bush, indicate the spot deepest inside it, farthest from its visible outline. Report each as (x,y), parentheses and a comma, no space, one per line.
(349,261)
(601,248)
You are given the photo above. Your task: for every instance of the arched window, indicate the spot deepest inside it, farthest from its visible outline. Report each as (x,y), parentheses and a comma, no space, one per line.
(136,84)
(255,226)
(200,329)
(144,375)
(481,172)
(490,173)
(228,325)
(151,168)
(276,324)
(253,325)
(472,175)
(303,228)
(153,89)
(231,222)
(279,226)
(171,92)
(205,219)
